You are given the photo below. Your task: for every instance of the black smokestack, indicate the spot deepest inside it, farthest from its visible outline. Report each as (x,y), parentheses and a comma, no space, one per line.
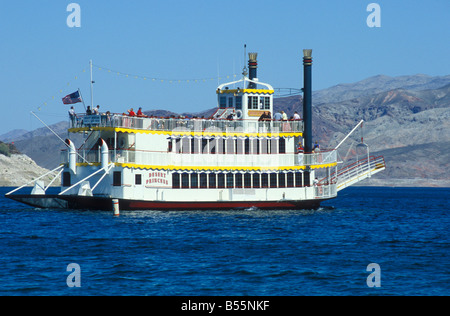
(252,66)
(307,100)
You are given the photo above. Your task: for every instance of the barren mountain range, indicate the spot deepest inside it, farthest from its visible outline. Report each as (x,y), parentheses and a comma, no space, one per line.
(407,120)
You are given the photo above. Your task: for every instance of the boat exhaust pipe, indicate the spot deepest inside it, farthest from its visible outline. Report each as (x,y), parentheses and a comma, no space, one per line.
(307,100)
(252,66)
(104,155)
(72,152)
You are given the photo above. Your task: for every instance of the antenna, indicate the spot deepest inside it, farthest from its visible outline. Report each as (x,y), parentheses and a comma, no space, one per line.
(244,70)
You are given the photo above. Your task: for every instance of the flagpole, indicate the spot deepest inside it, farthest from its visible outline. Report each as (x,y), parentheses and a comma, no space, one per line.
(82,99)
(92,86)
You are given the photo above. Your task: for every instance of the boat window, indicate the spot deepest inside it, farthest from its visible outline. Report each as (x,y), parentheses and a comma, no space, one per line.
(185,180)
(264,180)
(230,102)
(239,145)
(264,146)
(203,180)
(306,176)
(212,145)
(273,180)
(175,180)
(212,180)
(281,180)
(177,145)
(290,179)
(230,146)
(185,145)
(204,146)
(238,180)
(256,146)
(239,103)
(138,179)
(253,102)
(66,179)
(247,146)
(265,103)
(194,180)
(223,102)
(273,145)
(194,145)
(221,145)
(221,180)
(117,178)
(256,180)
(282,146)
(298,179)
(230,182)
(247,180)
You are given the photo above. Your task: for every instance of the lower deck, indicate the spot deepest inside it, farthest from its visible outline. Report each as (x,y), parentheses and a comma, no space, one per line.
(106,204)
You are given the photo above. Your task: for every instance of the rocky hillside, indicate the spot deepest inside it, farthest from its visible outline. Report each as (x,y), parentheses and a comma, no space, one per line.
(409,127)
(17,169)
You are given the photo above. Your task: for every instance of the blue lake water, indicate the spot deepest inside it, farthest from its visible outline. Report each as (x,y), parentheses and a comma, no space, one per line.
(249,252)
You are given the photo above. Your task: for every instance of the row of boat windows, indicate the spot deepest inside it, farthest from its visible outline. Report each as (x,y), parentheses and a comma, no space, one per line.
(239,180)
(193,145)
(221,180)
(254,102)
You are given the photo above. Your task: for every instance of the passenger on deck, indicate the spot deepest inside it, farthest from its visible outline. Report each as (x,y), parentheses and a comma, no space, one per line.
(296,116)
(277,116)
(96,110)
(131,112)
(264,117)
(140,114)
(88,111)
(73,116)
(300,151)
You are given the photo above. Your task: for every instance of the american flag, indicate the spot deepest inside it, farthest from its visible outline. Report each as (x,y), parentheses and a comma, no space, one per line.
(72,98)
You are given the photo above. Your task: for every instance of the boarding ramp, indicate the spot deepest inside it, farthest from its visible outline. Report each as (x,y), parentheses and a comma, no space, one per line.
(355,172)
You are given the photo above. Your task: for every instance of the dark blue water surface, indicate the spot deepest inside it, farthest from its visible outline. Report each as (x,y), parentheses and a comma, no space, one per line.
(249,252)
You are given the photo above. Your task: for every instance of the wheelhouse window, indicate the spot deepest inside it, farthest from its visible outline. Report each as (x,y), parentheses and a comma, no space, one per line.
(265,103)
(223,102)
(230,102)
(239,103)
(253,102)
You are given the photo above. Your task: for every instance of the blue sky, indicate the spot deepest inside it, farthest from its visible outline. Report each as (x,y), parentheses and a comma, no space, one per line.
(42,59)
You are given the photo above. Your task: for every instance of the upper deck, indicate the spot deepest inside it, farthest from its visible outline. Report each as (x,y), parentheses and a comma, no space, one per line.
(185,126)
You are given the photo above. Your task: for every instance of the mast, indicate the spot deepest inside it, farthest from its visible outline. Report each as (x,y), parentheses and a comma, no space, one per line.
(92,86)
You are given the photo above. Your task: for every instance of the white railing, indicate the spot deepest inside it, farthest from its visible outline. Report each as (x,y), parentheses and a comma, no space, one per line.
(324,191)
(356,172)
(184,124)
(207,160)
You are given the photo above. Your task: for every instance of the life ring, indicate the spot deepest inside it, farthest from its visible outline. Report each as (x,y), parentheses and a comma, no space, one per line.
(238,114)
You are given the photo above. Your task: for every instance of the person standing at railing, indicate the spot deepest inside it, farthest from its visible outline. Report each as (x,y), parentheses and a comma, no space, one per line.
(316,150)
(140,114)
(73,116)
(296,123)
(300,152)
